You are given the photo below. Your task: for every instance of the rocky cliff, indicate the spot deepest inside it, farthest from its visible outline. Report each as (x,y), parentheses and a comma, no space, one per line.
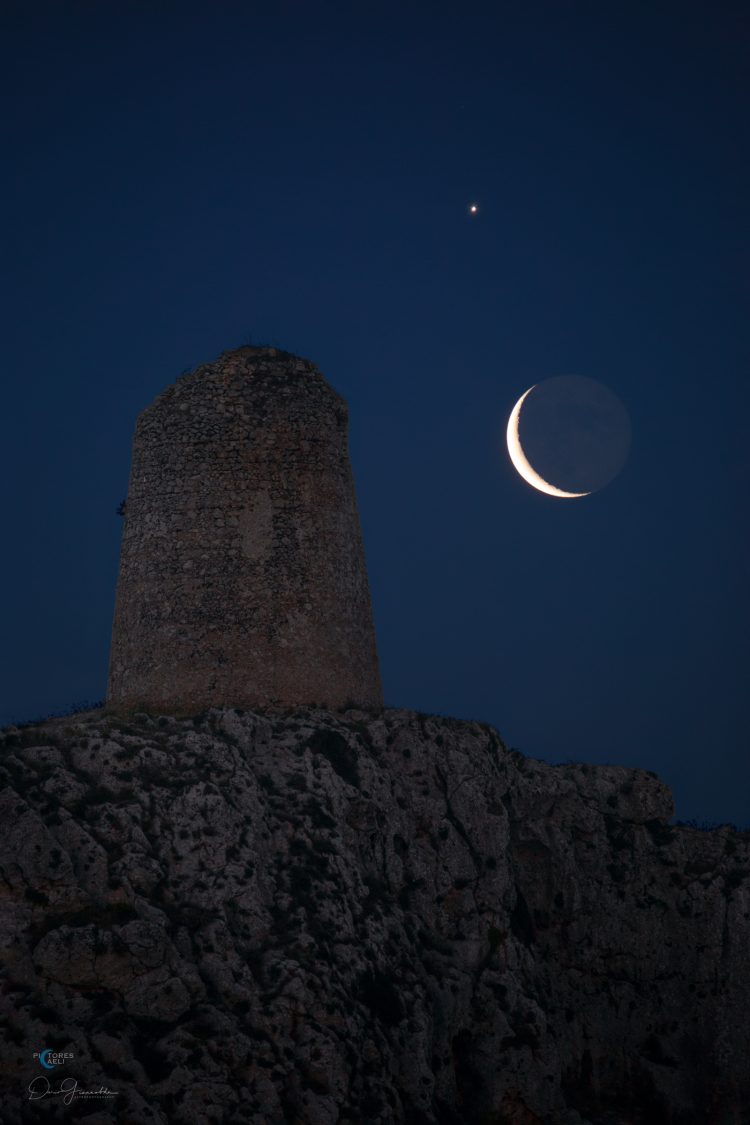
(348,918)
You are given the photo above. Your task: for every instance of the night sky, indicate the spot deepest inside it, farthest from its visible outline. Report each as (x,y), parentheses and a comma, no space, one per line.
(182,178)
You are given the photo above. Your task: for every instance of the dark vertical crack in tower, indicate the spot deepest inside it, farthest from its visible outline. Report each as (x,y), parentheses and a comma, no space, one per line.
(242,573)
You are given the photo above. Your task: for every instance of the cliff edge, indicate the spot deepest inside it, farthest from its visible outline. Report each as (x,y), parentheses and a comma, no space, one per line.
(307,917)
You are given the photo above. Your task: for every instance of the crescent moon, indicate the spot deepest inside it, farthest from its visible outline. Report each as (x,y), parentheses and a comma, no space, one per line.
(43,1058)
(521,463)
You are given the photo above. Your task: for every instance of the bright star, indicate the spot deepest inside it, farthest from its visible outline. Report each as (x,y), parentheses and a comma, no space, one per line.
(473,208)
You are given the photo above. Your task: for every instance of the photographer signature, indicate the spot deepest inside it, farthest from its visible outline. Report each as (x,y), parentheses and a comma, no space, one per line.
(40,1088)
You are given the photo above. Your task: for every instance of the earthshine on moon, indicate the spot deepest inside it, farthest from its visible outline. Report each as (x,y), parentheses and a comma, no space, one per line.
(520,461)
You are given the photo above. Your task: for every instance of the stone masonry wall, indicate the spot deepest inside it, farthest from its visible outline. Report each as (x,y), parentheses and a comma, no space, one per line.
(242,573)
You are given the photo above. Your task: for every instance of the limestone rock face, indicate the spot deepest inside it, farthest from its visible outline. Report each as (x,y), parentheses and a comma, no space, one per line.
(242,572)
(308,917)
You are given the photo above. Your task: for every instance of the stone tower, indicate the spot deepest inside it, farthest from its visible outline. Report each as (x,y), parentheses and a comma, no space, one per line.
(242,573)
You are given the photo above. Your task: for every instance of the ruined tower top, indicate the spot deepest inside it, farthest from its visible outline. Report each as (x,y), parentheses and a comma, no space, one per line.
(242,574)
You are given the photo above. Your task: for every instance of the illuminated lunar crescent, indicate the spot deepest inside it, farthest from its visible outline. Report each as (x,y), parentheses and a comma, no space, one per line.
(521,463)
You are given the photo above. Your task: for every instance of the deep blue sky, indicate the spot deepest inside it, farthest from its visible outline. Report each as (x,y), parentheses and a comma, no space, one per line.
(180,178)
